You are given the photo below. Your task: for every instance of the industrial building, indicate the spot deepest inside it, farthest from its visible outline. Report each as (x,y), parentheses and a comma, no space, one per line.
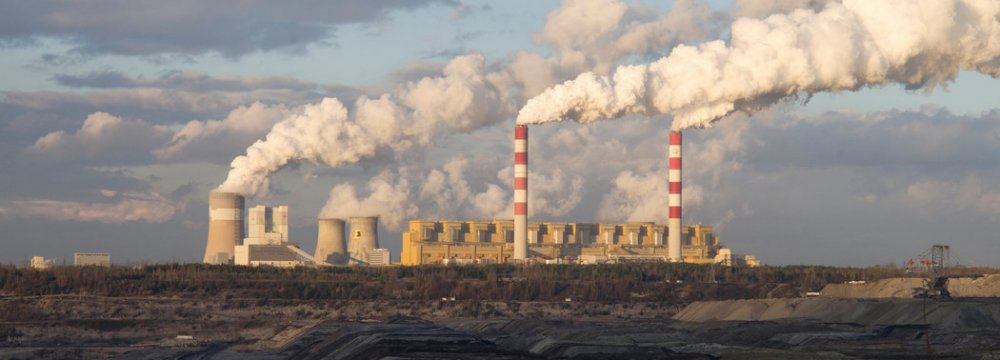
(267,239)
(446,242)
(92,259)
(40,263)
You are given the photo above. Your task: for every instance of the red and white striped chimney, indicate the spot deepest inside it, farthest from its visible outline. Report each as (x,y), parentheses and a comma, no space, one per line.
(674,178)
(521,193)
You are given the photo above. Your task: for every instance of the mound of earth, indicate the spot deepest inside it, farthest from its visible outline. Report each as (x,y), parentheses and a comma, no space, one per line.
(940,314)
(985,286)
(881,289)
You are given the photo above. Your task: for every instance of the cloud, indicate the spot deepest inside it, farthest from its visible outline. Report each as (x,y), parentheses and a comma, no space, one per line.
(231,28)
(186,80)
(764,8)
(102,138)
(966,195)
(149,207)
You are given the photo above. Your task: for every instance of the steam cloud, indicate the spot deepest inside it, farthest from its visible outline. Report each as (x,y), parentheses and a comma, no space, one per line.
(920,44)
(584,35)
(326,132)
(388,198)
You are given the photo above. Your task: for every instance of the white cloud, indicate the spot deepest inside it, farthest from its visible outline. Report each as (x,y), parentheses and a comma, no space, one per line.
(102,137)
(149,207)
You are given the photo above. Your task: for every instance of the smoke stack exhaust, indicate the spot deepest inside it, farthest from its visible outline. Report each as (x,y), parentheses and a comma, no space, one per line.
(225,226)
(521,193)
(674,178)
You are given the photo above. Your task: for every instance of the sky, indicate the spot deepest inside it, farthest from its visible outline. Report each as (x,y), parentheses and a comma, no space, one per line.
(117,118)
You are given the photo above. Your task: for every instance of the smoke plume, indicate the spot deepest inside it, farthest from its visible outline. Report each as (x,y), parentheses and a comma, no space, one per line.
(920,44)
(388,198)
(328,133)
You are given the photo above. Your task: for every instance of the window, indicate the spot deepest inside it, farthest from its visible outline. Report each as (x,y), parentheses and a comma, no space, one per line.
(484,236)
(428,234)
(508,235)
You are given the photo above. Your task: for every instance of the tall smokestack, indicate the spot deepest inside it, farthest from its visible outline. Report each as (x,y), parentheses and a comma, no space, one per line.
(521,192)
(225,226)
(674,178)
(363,238)
(330,245)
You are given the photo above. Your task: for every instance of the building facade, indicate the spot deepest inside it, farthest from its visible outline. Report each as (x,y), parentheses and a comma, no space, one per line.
(92,259)
(460,242)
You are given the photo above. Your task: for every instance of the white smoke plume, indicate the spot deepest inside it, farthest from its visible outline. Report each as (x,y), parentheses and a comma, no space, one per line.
(243,125)
(596,35)
(447,189)
(583,35)
(641,198)
(388,198)
(464,98)
(920,44)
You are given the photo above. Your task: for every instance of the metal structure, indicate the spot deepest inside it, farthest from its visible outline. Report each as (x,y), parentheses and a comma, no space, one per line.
(225,226)
(674,177)
(934,261)
(330,244)
(521,193)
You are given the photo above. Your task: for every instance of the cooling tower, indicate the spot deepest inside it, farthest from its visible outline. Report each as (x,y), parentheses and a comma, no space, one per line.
(363,238)
(521,193)
(674,178)
(225,226)
(330,245)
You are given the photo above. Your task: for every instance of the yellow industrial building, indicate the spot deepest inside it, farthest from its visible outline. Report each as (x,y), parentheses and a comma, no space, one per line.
(437,242)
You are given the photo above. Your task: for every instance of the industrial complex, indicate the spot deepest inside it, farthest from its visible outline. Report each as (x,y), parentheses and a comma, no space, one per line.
(487,242)
(264,239)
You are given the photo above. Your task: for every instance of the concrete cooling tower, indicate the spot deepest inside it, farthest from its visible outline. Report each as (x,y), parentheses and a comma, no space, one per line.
(330,245)
(363,238)
(225,226)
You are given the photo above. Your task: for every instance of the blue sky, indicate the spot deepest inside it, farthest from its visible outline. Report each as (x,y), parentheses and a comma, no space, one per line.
(89,110)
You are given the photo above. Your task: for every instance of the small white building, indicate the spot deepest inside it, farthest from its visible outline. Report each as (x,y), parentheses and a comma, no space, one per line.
(270,255)
(378,257)
(38,262)
(92,259)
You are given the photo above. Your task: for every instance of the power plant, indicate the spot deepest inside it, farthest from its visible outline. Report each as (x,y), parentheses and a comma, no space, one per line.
(468,241)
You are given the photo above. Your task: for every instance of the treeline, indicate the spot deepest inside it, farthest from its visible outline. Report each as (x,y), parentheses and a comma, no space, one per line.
(660,282)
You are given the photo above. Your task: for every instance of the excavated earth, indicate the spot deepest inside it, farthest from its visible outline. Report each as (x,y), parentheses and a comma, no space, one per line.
(876,320)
